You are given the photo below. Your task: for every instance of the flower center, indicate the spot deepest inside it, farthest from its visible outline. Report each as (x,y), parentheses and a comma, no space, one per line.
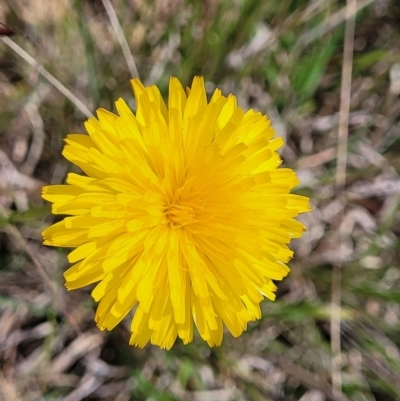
(180,214)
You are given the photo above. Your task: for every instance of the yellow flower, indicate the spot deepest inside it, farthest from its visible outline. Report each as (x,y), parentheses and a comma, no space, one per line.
(183,216)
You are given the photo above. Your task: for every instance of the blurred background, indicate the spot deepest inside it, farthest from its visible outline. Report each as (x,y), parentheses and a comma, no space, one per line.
(333,332)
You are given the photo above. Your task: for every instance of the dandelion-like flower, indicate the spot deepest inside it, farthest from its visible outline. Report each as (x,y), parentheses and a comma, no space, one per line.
(183,216)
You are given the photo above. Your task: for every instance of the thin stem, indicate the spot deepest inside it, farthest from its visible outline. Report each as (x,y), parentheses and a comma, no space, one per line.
(20,240)
(333,21)
(121,38)
(343,132)
(42,71)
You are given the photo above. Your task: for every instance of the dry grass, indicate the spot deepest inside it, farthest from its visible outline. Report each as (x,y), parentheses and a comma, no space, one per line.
(284,58)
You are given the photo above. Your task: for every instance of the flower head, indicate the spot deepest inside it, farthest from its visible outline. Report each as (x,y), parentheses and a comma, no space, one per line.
(183,216)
